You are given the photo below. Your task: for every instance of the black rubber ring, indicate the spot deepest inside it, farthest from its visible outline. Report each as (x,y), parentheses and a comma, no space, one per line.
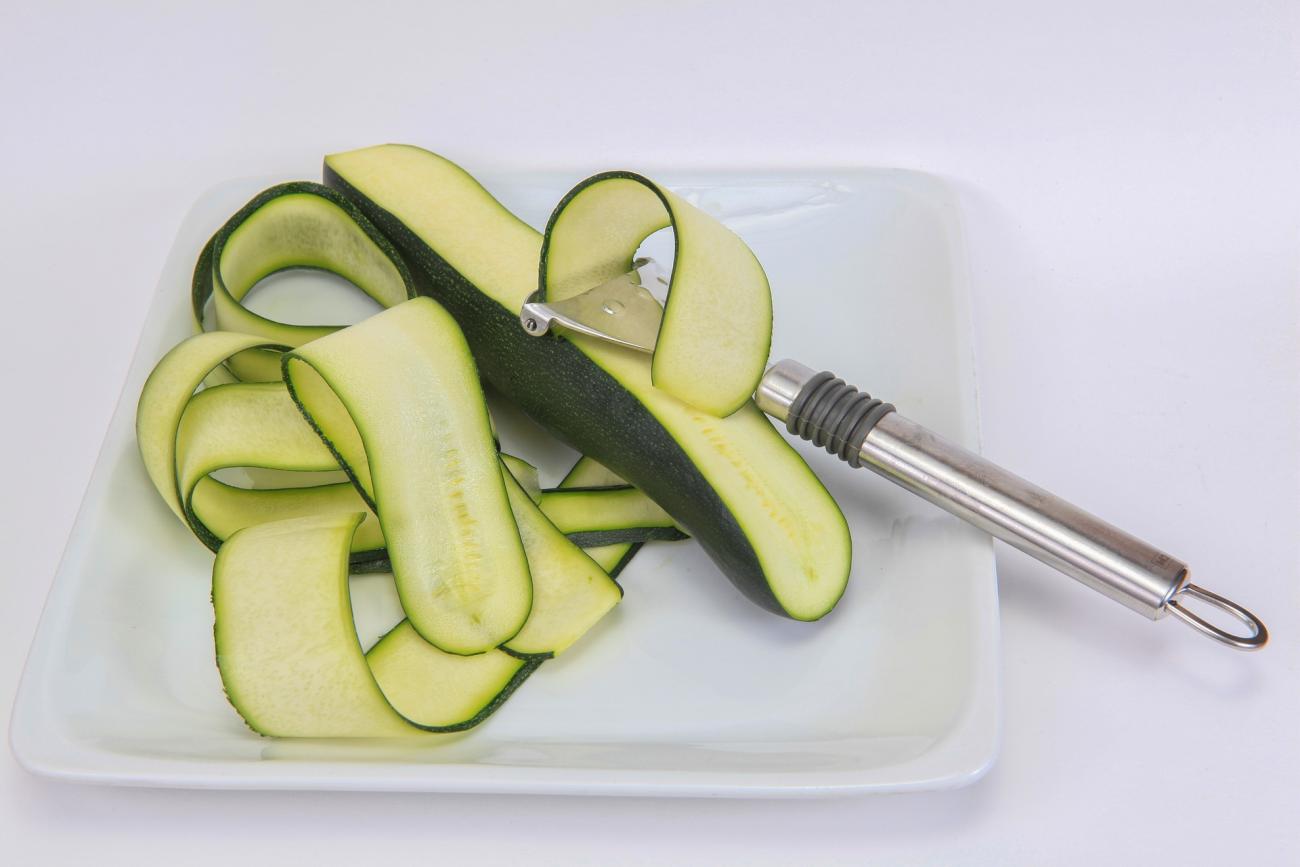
(869,421)
(841,410)
(854,435)
(817,402)
(834,415)
(853,431)
(796,407)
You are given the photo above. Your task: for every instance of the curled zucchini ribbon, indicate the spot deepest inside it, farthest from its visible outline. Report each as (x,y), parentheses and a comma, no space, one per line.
(718,314)
(298,225)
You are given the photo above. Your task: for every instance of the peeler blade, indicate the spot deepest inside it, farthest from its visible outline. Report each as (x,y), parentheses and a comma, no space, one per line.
(624,311)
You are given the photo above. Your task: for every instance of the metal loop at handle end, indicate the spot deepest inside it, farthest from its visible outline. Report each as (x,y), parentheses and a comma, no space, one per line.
(1259,633)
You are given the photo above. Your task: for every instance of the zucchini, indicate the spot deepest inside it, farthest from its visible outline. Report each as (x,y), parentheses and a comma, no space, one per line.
(185,437)
(524,473)
(396,398)
(570,590)
(243,424)
(607,516)
(220,510)
(597,509)
(288,653)
(439,691)
(733,483)
(717,322)
(166,394)
(613,558)
(590,473)
(294,225)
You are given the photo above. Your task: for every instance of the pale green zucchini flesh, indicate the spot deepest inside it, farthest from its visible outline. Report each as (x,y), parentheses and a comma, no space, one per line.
(613,558)
(397,399)
(591,473)
(286,645)
(733,483)
(525,474)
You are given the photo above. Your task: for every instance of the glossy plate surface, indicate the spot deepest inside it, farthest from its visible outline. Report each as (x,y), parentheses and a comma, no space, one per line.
(686,689)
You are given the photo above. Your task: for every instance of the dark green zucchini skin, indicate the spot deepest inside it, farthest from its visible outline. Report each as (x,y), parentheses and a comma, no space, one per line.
(579,402)
(596,538)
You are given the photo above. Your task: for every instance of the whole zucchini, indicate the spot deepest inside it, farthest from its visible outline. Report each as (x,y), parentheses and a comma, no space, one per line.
(733,483)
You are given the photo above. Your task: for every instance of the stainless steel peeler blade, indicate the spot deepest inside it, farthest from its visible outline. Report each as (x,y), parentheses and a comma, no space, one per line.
(624,310)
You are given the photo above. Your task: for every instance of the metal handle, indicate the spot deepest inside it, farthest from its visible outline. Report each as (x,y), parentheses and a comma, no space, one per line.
(864,431)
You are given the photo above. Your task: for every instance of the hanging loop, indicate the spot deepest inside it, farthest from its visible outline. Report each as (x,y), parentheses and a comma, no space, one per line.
(1178,606)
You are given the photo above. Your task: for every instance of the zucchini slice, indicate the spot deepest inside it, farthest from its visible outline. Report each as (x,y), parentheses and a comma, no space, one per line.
(289,657)
(293,225)
(607,516)
(444,691)
(525,474)
(286,645)
(166,394)
(221,510)
(717,324)
(570,590)
(614,558)
(397,399)
(733,483)
(246,424)
(590,473)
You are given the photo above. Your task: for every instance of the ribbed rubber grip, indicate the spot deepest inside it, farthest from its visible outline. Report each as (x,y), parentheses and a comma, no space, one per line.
(834,415)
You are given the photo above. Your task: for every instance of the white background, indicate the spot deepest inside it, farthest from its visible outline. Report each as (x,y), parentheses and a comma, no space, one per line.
(1129,175)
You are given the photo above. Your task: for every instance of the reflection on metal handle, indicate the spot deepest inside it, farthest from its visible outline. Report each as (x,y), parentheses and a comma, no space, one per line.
(863,431)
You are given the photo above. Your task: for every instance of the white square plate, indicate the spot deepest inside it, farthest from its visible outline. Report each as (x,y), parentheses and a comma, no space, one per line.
(686,689)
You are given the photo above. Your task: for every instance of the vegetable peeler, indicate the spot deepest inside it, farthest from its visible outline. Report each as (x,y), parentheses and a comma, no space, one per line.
(865,431)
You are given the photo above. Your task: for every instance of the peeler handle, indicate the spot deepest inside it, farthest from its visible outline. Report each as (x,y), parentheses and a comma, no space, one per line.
(863,431)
